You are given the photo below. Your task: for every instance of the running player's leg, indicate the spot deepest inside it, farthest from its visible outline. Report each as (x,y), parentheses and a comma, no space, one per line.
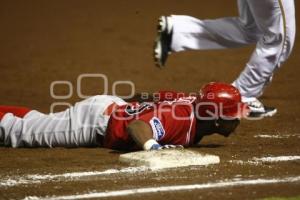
(276,19)
(288,7)
(190,33)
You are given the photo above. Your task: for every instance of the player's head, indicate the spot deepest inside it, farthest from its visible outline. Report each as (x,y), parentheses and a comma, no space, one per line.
(220,106)
(220,126)
(220,100)
(225,127)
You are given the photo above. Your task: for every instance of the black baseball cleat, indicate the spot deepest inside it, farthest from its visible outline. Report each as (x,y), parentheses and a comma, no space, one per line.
(258,110)
(162,45)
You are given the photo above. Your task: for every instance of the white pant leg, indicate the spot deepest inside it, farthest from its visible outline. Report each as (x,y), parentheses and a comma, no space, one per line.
(77,126)
(33,114)
(276,20)
(190,33)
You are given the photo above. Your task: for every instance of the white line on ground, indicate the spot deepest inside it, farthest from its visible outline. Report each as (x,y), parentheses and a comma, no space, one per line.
(37,178)
(277,159)
(258,161)
(147,160)
(276,136)
(135,191)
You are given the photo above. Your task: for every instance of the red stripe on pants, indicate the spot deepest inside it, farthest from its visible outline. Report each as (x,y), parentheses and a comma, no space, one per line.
(1,115)
(17,111)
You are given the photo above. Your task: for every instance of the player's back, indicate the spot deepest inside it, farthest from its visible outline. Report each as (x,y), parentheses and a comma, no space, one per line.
(172,122)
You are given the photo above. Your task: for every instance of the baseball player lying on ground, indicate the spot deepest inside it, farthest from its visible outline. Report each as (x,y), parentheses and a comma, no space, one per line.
(108,121)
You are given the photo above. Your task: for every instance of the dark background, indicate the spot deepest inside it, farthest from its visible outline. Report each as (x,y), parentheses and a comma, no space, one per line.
(42,41)
(46,41)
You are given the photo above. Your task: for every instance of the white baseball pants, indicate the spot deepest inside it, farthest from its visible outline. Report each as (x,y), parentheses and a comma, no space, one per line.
(268,23)
(74,127)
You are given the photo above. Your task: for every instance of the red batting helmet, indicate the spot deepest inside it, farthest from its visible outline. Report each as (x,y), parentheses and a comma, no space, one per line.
(220,100)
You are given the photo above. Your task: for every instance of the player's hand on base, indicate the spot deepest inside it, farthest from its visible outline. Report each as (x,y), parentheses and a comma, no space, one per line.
(154,145)
(167,146)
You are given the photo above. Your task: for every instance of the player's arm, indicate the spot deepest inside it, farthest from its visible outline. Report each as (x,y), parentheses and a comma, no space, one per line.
(142,134)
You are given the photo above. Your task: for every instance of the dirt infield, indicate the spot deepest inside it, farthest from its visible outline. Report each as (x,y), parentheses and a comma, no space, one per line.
(59,40)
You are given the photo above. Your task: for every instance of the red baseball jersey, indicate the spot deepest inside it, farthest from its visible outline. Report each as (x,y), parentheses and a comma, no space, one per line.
(172,122)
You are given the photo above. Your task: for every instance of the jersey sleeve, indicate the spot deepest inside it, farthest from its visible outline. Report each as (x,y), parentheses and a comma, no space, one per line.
(156,124)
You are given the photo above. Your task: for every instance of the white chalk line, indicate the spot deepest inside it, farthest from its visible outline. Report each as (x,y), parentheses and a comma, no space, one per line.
(270,159)
(136,191)
(277,136)
(277,159)
(37,178)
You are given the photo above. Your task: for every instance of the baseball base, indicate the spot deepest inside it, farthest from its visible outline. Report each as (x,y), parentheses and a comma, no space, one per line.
(169,158)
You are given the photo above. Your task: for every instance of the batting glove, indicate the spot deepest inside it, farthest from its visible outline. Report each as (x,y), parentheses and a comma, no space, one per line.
(153,145)
(167,146)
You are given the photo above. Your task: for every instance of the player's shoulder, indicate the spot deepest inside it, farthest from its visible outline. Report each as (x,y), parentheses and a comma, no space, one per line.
(134,109)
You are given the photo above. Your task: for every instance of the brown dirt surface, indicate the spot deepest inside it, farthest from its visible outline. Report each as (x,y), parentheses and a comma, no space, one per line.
(46,41)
